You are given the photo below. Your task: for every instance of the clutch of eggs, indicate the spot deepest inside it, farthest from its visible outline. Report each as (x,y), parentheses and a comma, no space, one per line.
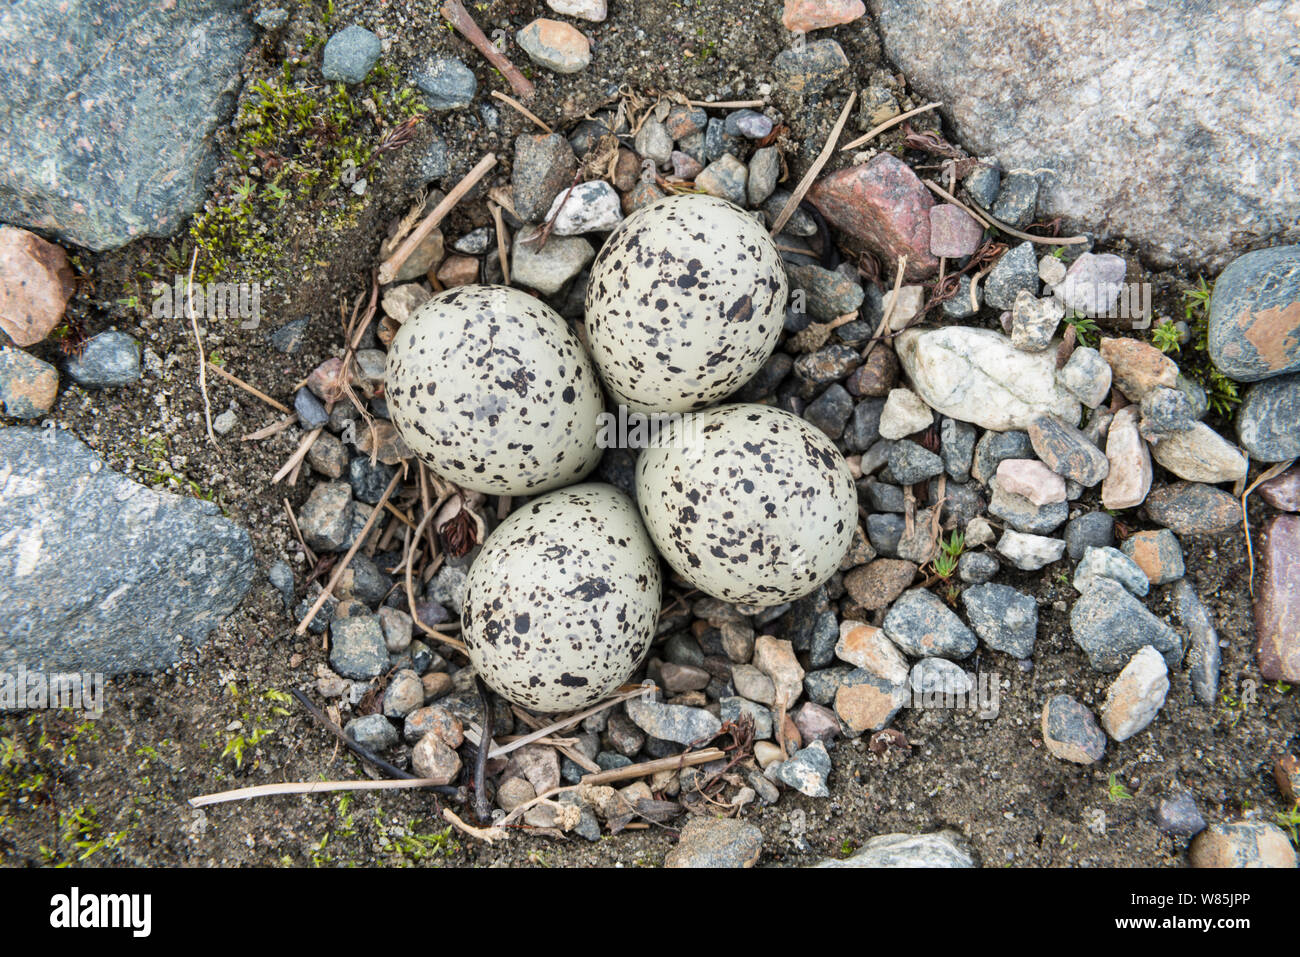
(748,503)
(492,389)
(561,604)
(685,303)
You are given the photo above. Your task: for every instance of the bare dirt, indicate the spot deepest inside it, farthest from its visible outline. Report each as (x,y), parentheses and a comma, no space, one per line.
(114,792)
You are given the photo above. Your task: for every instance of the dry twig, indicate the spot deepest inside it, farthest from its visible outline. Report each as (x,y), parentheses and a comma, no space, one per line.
(455,13)
(388,270)
(806,183)
(875,131)
(236,381)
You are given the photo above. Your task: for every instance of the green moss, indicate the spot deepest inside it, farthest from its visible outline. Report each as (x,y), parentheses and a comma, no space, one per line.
(1219,389)
(294,143)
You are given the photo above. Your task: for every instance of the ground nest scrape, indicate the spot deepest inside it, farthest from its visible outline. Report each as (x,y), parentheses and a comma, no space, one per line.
(115,790)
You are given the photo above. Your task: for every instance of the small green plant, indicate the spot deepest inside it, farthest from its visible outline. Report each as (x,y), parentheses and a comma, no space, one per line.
(1220,391)
(945,563)
(846,847)
(1235,708)
(1085,329)
(1289,821)
(1196,302)
(256,711)
(1165,337)
(1116,791)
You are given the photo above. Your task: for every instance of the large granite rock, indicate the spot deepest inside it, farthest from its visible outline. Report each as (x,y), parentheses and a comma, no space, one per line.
(1209,93)
(107,109)
(100,574)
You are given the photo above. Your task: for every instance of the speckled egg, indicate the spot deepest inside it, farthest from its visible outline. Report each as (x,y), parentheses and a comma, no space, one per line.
(561,604)
(686,302)
(748,503)
(492,389)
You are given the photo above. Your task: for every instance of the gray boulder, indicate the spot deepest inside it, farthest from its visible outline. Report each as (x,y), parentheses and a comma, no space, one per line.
(144,83)
(98,573)
(1211,84)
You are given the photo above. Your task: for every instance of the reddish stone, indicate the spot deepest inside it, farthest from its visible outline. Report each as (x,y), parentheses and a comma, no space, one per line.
(953,231)
(802,16)
(35,285)
(1282,491)
(458,271)
(877,375)
(1277,599)
(884,206)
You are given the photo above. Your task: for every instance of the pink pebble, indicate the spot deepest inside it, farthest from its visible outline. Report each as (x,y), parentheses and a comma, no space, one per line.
(953,231)
(1031,479)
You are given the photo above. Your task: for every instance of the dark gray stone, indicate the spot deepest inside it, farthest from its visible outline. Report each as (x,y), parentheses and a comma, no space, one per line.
(820,686)
(100,574)
(718,142)
(1203,653)
(350,55)
(289,337)
(373,732)
(1070,731)
(447,84)
(369,481)
(1016,270)
(767,378)
(1067,452)
(911,463)
(956,448)
(884,532)
(881,496)
(357,648)
(311,412)
(1017,199)
(433,163)
(830,410)
(145,83)
(924,627)
(827,294)
(1268,421)
(280,575)
(110,359)
(1004,618)
(983,184)
(1092,530)
(544,165)
(1254,327)
(1166,411)
(958,305)
(993,448)
(1178,815)
(1110,625)
(976,568)
(864,425)
(1191,508)
(961,501)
